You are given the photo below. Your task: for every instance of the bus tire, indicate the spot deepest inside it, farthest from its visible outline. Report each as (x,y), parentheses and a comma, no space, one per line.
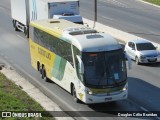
(44,76)
(13,22)
(26,33)
(38,66)
(74,94)
(15,25)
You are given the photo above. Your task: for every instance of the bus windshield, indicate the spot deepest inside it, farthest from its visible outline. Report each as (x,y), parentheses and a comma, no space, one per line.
(104,68)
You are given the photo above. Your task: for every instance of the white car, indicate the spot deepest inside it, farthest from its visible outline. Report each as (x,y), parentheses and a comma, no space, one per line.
(142,51)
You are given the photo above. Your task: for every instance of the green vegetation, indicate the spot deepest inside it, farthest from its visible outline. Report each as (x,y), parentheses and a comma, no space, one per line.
(157,2)
(12,98)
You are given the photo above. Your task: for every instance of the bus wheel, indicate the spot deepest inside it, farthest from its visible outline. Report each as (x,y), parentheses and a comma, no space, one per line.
(15,25)
(13,22)
(74,94)
(26,32)
(43,74)
(38,66)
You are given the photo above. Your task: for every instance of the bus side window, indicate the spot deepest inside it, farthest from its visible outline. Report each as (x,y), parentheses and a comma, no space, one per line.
(76,52)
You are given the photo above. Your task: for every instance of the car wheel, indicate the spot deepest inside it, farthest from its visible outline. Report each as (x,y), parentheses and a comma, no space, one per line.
(137,60)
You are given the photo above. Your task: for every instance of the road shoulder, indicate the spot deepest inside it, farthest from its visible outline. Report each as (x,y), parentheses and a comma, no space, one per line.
(32,91)
(154,5)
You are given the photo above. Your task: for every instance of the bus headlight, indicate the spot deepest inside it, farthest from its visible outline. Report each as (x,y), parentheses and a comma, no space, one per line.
(125,88)
(89,91)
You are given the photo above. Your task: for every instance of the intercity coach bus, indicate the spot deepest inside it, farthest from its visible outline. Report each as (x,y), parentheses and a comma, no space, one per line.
(88,64)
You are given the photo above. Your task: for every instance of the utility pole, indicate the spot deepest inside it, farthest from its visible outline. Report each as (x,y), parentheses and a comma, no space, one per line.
(95,13)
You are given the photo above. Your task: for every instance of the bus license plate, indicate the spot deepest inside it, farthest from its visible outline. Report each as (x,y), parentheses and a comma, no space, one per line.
(108,99)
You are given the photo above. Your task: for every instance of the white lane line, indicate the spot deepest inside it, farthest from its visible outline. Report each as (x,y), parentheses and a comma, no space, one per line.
(1,8)
(154,33)
(107,18)
(2,54)
(6,57)
(144,109)
(115,2)
(119,3)
(21,37)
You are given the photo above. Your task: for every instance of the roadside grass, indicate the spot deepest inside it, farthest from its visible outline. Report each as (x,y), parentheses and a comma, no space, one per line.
(12,98)
(157,2)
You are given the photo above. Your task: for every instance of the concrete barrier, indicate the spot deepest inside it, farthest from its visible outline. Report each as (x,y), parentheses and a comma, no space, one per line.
(118,34)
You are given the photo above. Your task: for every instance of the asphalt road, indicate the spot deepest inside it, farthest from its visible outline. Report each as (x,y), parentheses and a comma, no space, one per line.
(130,16)
(144,80)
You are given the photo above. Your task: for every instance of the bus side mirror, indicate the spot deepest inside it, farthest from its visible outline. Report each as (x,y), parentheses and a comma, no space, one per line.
(80,65)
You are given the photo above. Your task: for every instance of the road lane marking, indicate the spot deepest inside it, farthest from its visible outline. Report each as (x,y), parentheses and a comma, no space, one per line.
(144,109)
(154,33)
(21,37)
(1,8)
(1,54)
(6,57)
(115,2)
(107,18)
(118,3)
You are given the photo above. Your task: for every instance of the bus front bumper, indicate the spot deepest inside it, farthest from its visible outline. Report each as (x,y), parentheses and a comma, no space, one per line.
(96,98)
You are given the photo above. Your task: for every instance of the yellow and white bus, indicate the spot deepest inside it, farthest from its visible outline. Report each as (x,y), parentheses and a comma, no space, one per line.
(88,64)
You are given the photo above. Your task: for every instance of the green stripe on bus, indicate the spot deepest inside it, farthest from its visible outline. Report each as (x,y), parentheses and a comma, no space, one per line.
(59,67)
(56,66)
(62,68)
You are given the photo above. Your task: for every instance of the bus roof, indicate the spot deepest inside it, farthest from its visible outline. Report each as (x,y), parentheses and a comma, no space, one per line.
(84,38)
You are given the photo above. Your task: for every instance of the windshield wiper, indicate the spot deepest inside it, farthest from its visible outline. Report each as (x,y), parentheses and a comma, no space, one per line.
(109,74)
(104,77)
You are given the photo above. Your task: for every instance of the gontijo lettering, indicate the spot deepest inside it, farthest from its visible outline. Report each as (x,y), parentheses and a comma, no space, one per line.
(44,53)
